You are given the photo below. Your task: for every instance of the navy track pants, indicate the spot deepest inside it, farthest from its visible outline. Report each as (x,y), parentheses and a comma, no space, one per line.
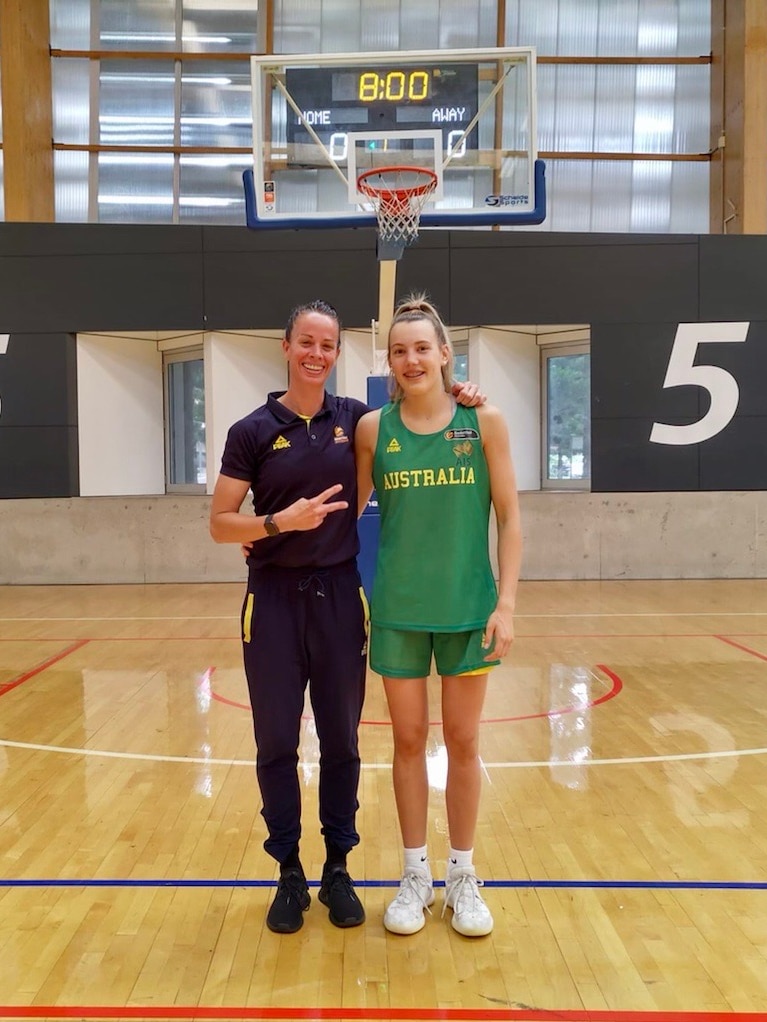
(306,626)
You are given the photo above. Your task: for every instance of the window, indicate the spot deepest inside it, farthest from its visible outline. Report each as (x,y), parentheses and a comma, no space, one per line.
(185,468)
(461,361)
(566,382)
(173,76)
(160,131)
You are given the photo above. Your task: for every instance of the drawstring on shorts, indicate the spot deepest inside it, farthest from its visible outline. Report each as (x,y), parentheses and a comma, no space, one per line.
(318,580)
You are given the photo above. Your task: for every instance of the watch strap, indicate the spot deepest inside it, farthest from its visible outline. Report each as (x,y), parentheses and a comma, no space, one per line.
(271,527)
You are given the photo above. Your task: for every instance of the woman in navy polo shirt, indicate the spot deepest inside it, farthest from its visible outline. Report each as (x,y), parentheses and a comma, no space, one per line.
(304,617)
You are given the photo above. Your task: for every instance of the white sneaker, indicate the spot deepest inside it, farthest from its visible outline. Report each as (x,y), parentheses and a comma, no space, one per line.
(471,916)
(406,913)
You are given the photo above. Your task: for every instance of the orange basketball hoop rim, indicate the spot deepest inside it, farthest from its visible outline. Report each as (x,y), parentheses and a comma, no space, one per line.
(398,195)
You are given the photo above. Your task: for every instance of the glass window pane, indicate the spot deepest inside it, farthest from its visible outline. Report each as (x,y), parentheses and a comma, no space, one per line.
(202,103)
(70,171)
(135,188)
(460,361)
(216,104)
(619,28)
(379,27)
(568,417)
(297,27)
(149,25)
(186,422)
(136,104)
(215,26)
(595,195)
(211,191)
(70,24)
(652,109)
(70,82)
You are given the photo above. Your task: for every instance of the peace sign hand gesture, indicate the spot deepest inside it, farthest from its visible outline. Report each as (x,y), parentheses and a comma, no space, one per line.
(310,512)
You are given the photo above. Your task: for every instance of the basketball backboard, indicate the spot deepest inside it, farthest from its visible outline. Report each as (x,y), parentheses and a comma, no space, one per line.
(466,116)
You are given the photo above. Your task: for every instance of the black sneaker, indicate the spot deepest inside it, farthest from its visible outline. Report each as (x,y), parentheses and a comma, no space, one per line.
(337,892)
(286,913)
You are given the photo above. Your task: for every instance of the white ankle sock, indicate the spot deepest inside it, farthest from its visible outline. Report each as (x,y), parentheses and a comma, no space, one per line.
(416,858)
(457,857)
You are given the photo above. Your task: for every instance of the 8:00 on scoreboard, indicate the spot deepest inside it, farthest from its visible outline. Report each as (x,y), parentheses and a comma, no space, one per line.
(338,100)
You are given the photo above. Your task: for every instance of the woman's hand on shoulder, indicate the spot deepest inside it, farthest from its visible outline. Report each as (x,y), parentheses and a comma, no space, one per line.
(468,394)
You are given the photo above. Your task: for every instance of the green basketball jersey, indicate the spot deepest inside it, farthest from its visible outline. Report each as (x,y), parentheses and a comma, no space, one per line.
(433,571)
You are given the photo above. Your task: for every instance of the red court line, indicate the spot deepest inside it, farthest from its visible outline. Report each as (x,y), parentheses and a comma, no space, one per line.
(739,645)
(385,1014)
(617,687)
(41,667)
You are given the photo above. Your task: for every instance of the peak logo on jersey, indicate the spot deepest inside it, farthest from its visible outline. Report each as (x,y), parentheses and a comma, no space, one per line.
(280,443)
(467,433)
(393,447)
(339,437)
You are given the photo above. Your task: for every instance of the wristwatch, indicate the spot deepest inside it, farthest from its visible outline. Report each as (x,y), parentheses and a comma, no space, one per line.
(271,527)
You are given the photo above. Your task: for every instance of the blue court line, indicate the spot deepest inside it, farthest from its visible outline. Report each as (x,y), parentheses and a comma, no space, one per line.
(658,885)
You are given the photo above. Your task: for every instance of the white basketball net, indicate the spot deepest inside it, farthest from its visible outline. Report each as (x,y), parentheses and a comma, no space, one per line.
(398,196)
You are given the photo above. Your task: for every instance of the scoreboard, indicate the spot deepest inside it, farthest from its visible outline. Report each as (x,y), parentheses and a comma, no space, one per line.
(337,100)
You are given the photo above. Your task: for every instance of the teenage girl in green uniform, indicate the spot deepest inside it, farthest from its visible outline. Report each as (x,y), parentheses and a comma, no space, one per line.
(437,468)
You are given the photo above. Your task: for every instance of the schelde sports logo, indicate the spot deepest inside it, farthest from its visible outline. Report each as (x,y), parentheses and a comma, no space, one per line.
(506,200)
(280,443)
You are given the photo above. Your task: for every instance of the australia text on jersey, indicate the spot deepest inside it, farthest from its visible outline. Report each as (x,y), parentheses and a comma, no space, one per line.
(462,475)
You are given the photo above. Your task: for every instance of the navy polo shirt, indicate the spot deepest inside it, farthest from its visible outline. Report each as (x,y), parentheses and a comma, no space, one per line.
(283,457)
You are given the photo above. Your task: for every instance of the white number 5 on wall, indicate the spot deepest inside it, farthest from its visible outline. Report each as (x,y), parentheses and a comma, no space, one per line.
(4,338)
(721,385)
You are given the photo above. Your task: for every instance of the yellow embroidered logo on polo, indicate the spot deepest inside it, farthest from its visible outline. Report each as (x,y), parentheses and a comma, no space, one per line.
(393,446)
(280,443)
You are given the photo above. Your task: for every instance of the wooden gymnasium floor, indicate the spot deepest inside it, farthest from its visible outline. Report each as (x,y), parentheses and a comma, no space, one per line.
(623,831)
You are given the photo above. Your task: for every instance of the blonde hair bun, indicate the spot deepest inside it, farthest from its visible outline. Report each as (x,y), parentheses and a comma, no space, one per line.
(416,306)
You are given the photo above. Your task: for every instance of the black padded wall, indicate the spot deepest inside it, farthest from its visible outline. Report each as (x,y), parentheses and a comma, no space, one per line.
(634,291)
(629,363)
(38,416)
(56,277)
(554,278)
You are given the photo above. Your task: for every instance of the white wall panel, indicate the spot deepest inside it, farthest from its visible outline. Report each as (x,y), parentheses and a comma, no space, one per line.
(240,370)
(505,364)
(120,416)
